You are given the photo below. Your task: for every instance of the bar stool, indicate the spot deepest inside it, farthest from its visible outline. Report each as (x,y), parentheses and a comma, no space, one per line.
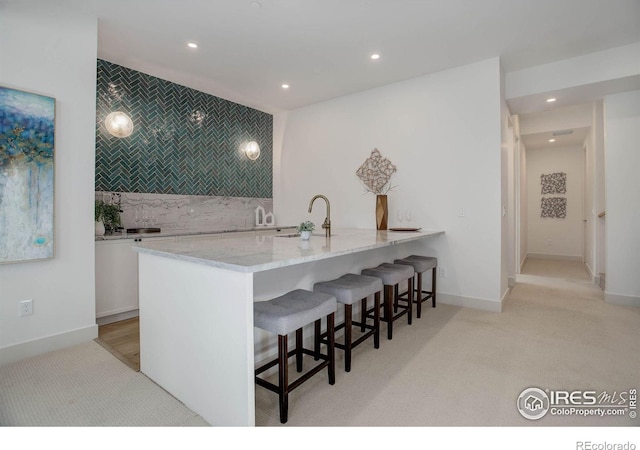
(284,314)
(420,265)
(349,289)
(392,275)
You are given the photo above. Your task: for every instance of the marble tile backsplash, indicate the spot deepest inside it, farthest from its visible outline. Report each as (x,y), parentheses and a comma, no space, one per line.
(187,213)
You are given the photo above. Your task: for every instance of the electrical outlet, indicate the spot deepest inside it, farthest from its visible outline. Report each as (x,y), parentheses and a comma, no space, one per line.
(442,272)
(25,308)
(549,242)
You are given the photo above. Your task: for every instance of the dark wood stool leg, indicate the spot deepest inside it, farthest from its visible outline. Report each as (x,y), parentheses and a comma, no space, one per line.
(363,314)
(396,293)
(347,338)
(409,299)
(433,287)
(419,293)
(283,378)
(376,320)
(388,310)
(316,342)
(299,349)
(331,348)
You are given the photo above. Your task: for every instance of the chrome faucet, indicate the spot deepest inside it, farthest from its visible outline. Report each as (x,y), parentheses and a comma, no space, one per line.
(327,220)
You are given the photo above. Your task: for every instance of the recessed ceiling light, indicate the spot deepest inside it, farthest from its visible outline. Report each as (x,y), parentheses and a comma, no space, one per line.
(192,45)
(551,100)
(552,140)
(285,86)
(375,56)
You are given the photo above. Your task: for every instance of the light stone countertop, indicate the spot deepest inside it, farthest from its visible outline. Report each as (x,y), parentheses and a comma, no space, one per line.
(259,253)
(118,236)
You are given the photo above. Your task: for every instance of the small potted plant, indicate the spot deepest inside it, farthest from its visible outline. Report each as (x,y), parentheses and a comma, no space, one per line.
(107,216)
(305,229)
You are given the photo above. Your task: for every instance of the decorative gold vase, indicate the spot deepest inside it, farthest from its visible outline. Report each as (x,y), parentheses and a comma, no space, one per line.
(382,212)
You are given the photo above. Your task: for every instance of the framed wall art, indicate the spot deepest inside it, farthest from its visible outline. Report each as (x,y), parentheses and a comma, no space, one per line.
(27,128)
(554,207)
(554,183)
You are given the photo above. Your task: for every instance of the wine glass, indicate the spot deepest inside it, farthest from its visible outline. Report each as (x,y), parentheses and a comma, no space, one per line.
(400,216)
(408,215)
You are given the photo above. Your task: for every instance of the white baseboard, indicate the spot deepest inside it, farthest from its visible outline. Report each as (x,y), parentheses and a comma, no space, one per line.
(115,312)
(470,302)
(595,278)
(622,300)
(523,262)
(117,317)
(16,352)
(554,257)
(511,281)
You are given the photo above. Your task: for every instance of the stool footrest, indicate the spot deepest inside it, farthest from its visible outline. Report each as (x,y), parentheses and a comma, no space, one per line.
(416,300)
(324,339)
(292,385)
(404,308)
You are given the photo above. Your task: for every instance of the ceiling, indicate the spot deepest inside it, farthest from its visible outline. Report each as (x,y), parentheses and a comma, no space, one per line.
(321,48)
(541,140)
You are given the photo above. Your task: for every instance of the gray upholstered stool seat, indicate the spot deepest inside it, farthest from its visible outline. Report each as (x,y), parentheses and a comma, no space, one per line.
(287,313)
(293,310)
(420,265)
(349,289)
(392,275)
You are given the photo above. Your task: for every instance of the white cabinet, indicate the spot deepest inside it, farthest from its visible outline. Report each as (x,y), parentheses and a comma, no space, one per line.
(117,279)
(117,271)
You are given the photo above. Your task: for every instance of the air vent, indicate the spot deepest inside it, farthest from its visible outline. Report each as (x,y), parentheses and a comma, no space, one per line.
(562,132)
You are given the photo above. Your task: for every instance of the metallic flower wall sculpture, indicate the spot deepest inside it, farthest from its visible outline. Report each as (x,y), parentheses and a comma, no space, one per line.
(376,173)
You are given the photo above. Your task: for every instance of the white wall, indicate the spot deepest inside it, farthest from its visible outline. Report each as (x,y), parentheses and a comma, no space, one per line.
(524,204)
(443,132)
(507,199)
(565,234)
(599,201)
(590,214)
(622,160)
(51,51)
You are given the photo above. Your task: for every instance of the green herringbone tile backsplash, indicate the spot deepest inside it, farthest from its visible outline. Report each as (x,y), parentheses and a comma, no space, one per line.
(184,141)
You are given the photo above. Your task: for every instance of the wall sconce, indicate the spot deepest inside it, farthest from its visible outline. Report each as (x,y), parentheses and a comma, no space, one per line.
(252,150)
(119,124)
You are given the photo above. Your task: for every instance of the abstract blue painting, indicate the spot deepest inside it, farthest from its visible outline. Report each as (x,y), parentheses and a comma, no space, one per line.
(27,125)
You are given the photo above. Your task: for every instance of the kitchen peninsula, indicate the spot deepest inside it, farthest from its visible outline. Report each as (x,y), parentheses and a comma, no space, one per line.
(197,338)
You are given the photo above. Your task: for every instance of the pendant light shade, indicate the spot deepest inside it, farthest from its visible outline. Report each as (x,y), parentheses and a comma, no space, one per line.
(252,150)
(119,124)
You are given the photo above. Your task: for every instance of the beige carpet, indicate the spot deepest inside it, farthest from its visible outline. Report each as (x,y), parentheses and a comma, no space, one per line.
(85,385)
(463,367)
(454,367)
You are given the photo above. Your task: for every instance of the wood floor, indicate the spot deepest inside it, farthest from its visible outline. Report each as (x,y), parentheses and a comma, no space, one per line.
(123,340)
